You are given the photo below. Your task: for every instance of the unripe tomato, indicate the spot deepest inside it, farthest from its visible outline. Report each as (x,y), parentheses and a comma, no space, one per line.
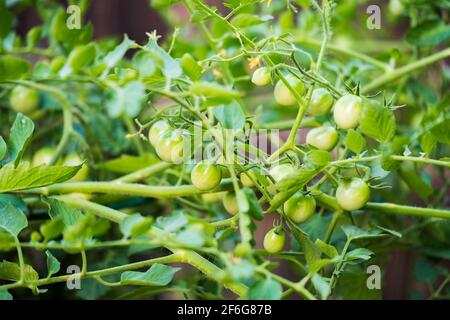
(205,175)
(352,194)
(157,129)
(347,111)
(246,178)
(396,7)
(323,138)
(321,102)
(43,157)
(24,100)
(300,207)
(74,159)
(283,95)
(274,240)
(230,203)
(213,197)
(242,249)
(281,171)
(261,76)
(174,146)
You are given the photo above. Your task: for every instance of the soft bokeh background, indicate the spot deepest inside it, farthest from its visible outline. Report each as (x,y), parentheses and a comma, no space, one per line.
(113,18)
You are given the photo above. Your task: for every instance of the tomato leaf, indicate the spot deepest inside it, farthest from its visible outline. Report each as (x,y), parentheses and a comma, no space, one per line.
(113,57)
(169,67)
(173,222)
(6,19)
(429,33)
(135,225)
(5,295)
(441,132)
(378,122)
(190,67)
(11,271)
(254,207)
(230,116)
(60,210)
(321,285)
(12,220)
(245,20)
(3,148)
(214,90)
(53,265)
(354,141)
(157,275)
(267,289)
(13,68)
(23,177)
(317,158)
(127,100)
(21,132)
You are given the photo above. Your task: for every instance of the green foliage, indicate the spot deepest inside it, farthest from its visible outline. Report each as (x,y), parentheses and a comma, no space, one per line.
(128,216)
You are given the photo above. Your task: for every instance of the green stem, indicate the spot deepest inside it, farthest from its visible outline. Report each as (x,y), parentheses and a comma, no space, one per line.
(295,286)
(144,173)
(400,72)
(393,157)
(135,139)
(183,255)
(21,260)
(347,51)
(308,122)
(385,207)
(332,226)
(124,189)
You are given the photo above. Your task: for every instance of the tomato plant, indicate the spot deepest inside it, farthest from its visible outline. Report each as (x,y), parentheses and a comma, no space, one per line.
(127,161)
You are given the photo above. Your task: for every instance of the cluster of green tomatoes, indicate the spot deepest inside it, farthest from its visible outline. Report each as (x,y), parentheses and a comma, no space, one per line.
(171,145)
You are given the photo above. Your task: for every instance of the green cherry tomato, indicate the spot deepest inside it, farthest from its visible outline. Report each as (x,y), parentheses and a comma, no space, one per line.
(174,146)
(43,157)
(274,240)
(246,178)
(323,138)
(157,129)
(283,96)
(213,197)
(261,76)
(396,7)
(321,102)
(242,249)
(24,100)
(206,176)
(347,111)
(300,207)
(281,171)
(352,194)
(230,203)
(74,159)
